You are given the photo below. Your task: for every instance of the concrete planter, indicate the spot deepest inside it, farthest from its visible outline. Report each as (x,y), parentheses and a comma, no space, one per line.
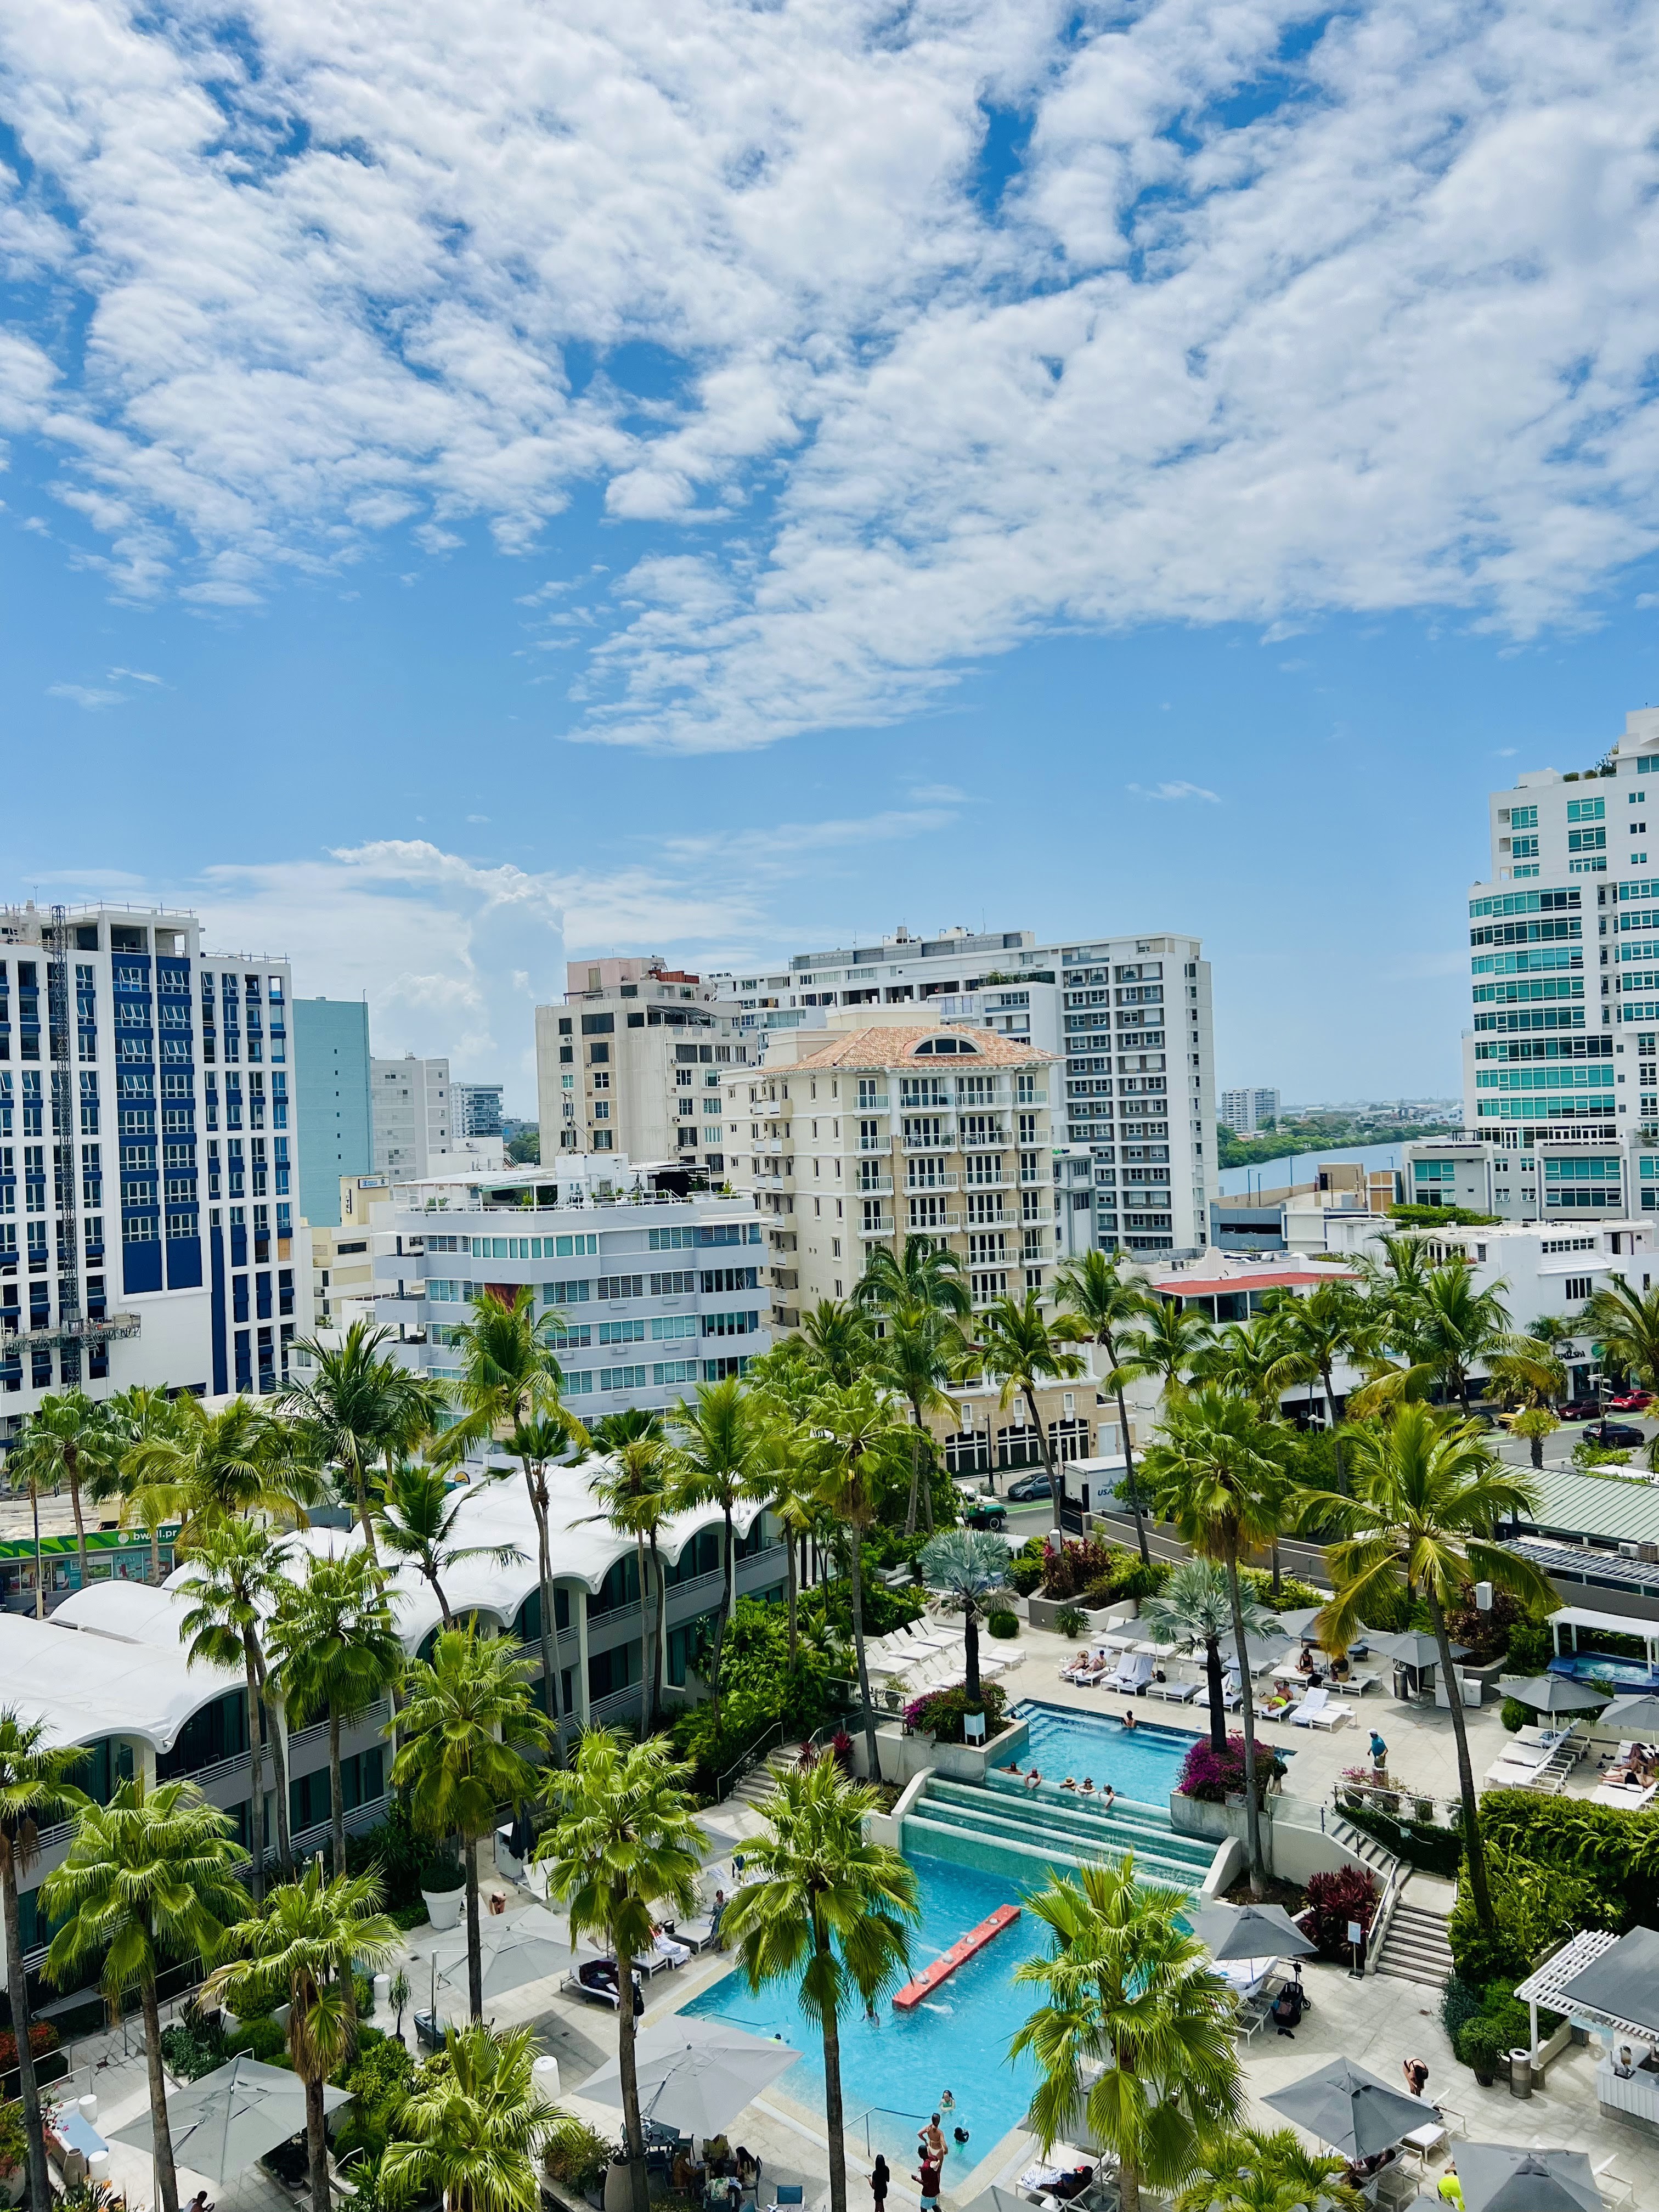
(904,1757)
(1192,1816)
(443,1906)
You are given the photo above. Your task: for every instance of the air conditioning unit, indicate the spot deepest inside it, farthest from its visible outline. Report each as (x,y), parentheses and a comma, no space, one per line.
(1630,1550)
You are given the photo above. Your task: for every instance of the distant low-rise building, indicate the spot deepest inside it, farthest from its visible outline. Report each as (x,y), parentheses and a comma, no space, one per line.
(476,1108)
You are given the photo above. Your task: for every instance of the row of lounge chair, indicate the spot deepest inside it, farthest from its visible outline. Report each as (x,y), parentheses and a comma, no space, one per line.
(1135,1674)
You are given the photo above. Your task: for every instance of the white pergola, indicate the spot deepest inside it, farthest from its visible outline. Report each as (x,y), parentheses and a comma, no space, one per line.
(1546,1987)
(1572,1617)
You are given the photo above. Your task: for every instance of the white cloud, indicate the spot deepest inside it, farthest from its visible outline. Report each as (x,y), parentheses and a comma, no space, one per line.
(1173,791)
(1246,337)
(86,695)
(131,676)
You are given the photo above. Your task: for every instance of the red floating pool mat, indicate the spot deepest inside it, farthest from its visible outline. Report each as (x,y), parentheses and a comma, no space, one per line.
(963,1949)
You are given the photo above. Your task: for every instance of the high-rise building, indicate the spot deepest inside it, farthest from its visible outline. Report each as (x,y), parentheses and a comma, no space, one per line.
(1246,1111)
(147,1160)
(475,1109)
(1129,1015)
(331,1087)
(410,1105)
(634,1062)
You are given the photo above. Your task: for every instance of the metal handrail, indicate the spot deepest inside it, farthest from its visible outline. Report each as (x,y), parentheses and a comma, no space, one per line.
(768,1741)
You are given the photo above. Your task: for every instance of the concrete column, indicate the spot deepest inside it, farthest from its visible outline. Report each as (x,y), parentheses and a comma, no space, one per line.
(579,1598)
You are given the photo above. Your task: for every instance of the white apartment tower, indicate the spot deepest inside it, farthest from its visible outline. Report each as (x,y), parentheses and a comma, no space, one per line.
(409,1100)
(1246,1111)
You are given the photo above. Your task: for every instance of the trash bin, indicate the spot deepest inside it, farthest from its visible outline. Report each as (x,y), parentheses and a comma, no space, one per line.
(1520,2073)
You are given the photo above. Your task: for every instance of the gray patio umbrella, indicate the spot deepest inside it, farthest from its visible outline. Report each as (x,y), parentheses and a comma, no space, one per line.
(1503,2177)
(1351,2110)
(1622,1984)
(221,2124)
(1638,1715)
(999,2200)
(1261,1650)
(1299,1623)
(529,1947)
(1416,1648)
(698,2075)
(1249,1931)
(1554,1693)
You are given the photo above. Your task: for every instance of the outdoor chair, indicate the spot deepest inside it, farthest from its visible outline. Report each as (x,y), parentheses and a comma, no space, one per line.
(1316,1709)
(788,2192)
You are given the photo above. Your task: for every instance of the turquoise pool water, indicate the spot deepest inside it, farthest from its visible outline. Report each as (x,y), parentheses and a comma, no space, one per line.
(1142,1762)
(1623,1673)
(895,2069)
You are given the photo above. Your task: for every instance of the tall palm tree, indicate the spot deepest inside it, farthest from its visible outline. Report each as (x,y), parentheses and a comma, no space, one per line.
(856,1440)
(624,1839)
(1135,2030)
(1023,1349)
(968,1564)
(1458,1327)
(1195,1605)
(34,1776)
(1314,1332)
(235,1572)
(469,2131)
(137,1415)
(68,1439)
(838,1337)
(1172,1340)
(416,1517)
(1245,1359)
(825,1911)
(1218,1478)
(335,1651)
(468,1712)
(213,1467)
(1393,1271)
(301,1951)
(633,1497)
(1251,2170)
(921,1304)
(1428,1499)
(150,1879)
(357,1407)
(1113,1308)
(718,1442)
(1625,1322)
(1532,1377)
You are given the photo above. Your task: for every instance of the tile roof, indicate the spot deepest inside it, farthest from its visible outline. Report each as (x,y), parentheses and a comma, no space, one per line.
(882,1046)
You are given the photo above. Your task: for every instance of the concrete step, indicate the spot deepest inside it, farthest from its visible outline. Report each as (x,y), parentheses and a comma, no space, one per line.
(1415,1948)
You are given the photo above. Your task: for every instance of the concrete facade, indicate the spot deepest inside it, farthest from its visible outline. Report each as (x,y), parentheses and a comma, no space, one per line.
(332,1079)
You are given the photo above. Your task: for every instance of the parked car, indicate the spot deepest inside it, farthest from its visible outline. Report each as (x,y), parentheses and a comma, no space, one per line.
(1631,1402)
(1582,1409)
(1028,1486)
(987,1513)
(1613,1432)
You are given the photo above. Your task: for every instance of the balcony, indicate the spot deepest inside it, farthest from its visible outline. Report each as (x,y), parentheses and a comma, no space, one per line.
(881,1103)
(935,1224)
(981,1176)
(942,1140)
(946,1179)
(875,1144)
(881,1226)
(879,1185)
(985,1141)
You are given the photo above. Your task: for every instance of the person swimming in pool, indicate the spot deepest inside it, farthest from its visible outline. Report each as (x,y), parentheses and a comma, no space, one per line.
(1033,1780)
(1129,1720)
(1108,1798)
(1088,1785)
(1068,1783)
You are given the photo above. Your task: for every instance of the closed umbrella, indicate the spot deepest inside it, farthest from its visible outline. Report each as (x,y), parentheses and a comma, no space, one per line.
(230,2118)
(1249,1931)
(1503,2177)
(698,2075)
(1554,1693)
(1638,1716)
(1349,2109)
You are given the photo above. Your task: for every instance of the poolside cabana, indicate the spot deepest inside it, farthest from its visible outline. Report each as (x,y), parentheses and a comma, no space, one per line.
(1573,1618)
(1608,1986)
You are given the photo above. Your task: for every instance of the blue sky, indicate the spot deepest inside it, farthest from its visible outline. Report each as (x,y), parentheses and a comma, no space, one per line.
(726,481)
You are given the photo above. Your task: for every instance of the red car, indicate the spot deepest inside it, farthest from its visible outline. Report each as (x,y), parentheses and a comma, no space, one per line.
(1632,1401)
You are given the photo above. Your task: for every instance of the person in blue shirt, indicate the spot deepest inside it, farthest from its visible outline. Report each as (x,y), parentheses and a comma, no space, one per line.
(1379,1754)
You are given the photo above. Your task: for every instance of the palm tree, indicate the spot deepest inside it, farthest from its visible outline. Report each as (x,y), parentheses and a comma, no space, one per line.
(1457,1326)
(236,1571)
(1314,1332)
(826,1912)
(67,1439)
(1625,1322)
(1428,1498)
(1135,2031)
(1251,2170)
(213,1467)
(150,1879)
(968,1564)
(782,1473)
(356,1407)
(624,1839)
(921,1305)
(855,1435)
(32,1794)
(467,1713)
(1195,1605)
(137,1415)
(1531,1376)
(335,1651)
(469,2131)
(838,1337)
(416,1517)
(713,1460)
(301,1951)
(1535,1423)
(1112,1308)
(633,1497)
(1172,1340)
(922,1273)
(1217,1477)
(1245,1359)
(1022,1349)
(1393,1271)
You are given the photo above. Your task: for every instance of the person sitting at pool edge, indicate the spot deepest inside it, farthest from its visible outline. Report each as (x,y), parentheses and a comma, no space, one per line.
(1068,1783)
(1129,1720)
(1033,1780)
(1108,1798)
(1088,1785)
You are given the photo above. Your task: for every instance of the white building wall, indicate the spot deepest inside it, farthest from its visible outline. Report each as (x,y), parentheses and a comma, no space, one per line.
(411,1106)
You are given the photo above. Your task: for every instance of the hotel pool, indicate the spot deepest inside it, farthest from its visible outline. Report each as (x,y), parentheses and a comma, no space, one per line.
(1142,1762)
(1623,1673)
(895,2069)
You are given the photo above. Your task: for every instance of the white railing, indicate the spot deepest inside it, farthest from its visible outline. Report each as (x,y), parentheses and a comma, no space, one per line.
(933,1224)
(946,1179)
(881,1226)
(875,1186)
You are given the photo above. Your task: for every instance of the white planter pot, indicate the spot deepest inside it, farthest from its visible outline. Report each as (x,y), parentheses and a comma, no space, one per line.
(443,1906)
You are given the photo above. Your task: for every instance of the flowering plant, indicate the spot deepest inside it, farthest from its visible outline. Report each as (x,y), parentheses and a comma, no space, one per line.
(1213,1777)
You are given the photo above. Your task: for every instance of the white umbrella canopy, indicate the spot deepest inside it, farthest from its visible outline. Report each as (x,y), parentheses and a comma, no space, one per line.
(696,2074)
(528,1947)
(230,2118)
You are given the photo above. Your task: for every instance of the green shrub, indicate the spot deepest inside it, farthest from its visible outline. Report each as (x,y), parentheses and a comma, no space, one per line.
(1515,1715)
(378,2082)
(1025,1576)
(1482,2047)
(576,2155)
(1002,1625)
(1618,1849)
(940,1713)
(1071,1622)
(192,2048)
(1422,1844)
(1460,2003)
(264,2039)
(408,1917)
(1536,1906)
(396,1851)
(14,2139)
(1530,1650)
(441,1872)
(1108,1573)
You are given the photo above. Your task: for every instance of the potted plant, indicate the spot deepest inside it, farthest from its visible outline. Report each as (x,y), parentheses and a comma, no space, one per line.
(399,1994)
(1481,2047)
(442,1887)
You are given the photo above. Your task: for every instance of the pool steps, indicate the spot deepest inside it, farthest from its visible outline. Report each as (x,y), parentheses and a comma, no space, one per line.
(1005,1829)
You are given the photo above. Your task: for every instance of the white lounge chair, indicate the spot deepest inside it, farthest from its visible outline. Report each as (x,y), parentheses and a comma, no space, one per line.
(1629,1800)
(1317,1709)
(1178,1693)
(1133,1675)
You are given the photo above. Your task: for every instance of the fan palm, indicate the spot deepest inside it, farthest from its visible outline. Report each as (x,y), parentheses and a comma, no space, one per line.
(467,1713)
(1251,2170)
(1112,1307)
(968,1564)
(826,1912)
(718,1443)
(1428,1496)
(67,1439)
(336,1652)
(301,1951)
(149,1880)
(469,2131)
(1022,1349)
(624,1839)
(633,1497)
(214,1468)
(416,1517)
(235,1575)
(1195,1606)
(34,1776)
(1135,2030)
(350,1403)
(855,1438)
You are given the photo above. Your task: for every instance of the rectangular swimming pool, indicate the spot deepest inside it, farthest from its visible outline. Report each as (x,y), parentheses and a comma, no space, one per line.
(1143,1762)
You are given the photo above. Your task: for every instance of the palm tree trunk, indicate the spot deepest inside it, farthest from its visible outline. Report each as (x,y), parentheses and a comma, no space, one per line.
(1330,1414)
(921,1437)
(645,1642)
(365,1518)
(834,2110)
(474,1935)
(916,1483)
(1247,1715)
(1133,1486)
(278,1766)
(1537,1443)
(1042,1447)
(545,1569)
(1129,2185)
(628,2068)
(856,1565)
(17,1988)
(970,1648)
(72,1471)
(1212,1677)
(256,1760)
(166,2176)
(1474,1849)
(317,2146)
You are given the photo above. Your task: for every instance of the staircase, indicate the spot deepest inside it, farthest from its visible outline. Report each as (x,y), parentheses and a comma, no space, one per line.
(1361,1845)
(756,1786)
(1414,1947)
(1002,1828)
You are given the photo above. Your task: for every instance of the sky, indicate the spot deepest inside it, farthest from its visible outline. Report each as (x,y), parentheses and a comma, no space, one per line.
(485,486)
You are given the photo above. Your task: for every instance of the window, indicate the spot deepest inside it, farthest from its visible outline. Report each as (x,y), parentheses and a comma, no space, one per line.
(1587,809)
(1578,1287)
(1526,849)
(1523,818)
(1587,841)
(622,1286)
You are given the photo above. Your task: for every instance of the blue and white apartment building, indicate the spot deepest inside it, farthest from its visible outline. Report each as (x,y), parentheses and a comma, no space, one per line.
(148,1159)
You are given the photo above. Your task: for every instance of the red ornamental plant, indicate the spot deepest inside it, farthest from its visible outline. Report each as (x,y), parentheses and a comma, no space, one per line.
(1213,1777)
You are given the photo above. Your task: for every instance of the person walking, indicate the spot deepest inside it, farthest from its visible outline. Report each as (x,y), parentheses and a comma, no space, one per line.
(879,2180)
